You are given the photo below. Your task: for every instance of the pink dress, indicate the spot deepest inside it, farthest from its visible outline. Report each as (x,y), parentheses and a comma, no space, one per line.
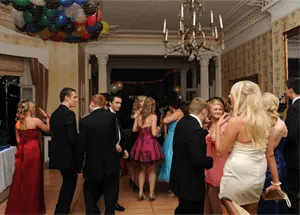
(214,175)
(146,148)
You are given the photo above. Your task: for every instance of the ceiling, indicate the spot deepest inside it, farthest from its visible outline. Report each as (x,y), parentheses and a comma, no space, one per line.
(147,16)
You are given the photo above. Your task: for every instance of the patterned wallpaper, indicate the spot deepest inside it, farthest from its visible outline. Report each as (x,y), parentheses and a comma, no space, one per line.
(253,57)
(63,65)
(278,27)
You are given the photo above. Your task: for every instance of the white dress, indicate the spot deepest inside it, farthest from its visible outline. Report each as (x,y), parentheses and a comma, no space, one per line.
(244,174)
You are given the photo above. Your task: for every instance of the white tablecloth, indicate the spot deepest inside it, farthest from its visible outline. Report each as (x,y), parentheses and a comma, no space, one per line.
(7,167)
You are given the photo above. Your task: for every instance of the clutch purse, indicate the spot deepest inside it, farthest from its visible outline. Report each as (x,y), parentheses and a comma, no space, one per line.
(276,195)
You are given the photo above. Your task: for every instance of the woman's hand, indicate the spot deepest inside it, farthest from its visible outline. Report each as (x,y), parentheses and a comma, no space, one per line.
(43,113)
(223,119)
(273,187)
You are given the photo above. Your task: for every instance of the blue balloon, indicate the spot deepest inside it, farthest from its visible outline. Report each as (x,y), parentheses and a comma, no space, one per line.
(91,29)
(81,2)
(66,3)
(32,29)
(72,39)
(61,18)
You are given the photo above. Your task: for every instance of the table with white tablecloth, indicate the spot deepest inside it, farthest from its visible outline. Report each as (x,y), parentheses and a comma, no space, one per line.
(7,167)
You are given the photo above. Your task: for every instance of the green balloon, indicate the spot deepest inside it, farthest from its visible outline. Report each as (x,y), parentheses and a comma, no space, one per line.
(52,28)
(50,12)
(43,20)
(22,2)
(28,17)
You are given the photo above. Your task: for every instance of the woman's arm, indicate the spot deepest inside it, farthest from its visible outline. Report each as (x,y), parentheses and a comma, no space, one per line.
(223,145)
(39,124)
(17,134)
(173,117)
(135,125)
(154,129)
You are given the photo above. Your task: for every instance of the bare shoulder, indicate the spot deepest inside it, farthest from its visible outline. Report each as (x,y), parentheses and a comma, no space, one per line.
(153,116)
(280,126)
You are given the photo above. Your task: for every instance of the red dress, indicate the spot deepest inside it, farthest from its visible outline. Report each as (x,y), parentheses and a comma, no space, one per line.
(146,148)
(26,194)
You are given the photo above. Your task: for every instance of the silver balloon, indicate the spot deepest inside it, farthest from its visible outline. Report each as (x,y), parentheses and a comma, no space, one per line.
(113,88)
(38,2)
(18,17)
(79,16)
(70,11)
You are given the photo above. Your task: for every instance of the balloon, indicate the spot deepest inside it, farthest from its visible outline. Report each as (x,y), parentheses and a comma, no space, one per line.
(45,34)
(22,3)
(52,28)
(18,17)
(66,3)
(70,11)
(38,2)
(79,24)
(20,7)
(79,31)
(72,39)
(28,17)
(43,20)
(94,19)
(50,12)
(32,29)
(79,16)
(52,4)
(81,2)
(61,18)
(105,29)
(89,9)
(119,85)
(86,36)
(57,38)
(91,29)
(113,88)
(36,11)
(69,27)
(5,2)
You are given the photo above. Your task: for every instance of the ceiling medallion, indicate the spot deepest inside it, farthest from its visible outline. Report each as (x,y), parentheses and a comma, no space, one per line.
(192,39)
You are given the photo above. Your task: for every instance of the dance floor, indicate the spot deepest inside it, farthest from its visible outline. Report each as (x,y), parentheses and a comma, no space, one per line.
(162,205)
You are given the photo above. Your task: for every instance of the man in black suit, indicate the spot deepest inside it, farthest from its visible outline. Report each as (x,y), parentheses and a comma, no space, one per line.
(189,159)
(291,149)
(114,107)
(98,138)
(62,148)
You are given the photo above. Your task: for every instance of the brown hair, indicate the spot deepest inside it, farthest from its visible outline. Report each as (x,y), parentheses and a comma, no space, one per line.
(147,109)
(99,100)
(197,105)
(137,106)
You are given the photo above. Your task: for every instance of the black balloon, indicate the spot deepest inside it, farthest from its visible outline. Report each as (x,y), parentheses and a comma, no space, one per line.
(52,4)
(69,27)
(5,2)
(99,27)
(35,10)
(89,9)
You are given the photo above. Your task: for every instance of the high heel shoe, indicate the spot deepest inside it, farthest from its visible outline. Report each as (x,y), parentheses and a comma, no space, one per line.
(130,182)
(152,197)
(141,197)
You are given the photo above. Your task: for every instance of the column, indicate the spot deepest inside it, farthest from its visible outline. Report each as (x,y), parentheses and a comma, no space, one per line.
(108,79)
(183,83)
(218,76)
(102,72)
(204,81)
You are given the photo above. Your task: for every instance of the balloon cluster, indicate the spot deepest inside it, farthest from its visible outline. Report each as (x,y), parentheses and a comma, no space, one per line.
(58,20)
(115,87)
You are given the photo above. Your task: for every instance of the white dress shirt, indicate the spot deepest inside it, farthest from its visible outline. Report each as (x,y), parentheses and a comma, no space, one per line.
(200,123)
(295,99)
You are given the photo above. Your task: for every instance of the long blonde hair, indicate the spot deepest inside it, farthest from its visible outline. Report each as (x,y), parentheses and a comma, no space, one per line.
(137,106)
(271,104)
(147,109)
(23,108)
(248,105)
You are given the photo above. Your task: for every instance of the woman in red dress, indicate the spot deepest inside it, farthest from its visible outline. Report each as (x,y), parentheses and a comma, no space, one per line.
(146,151)
(27,190)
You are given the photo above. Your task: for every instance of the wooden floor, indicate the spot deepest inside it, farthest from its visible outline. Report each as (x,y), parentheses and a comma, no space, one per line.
(162,205)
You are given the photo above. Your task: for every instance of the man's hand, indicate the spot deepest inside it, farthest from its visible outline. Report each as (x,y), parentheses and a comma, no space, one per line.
(118,148)
(126,155)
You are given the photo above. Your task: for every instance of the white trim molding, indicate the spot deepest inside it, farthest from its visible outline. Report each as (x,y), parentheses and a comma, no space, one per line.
(283,8)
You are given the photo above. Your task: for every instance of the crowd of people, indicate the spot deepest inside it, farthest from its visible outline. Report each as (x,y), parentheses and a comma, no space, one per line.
(235,148)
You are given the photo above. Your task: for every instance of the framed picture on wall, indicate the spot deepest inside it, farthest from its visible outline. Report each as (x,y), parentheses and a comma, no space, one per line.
(254,78)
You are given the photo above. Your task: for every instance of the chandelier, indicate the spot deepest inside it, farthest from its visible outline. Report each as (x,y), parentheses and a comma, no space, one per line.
(192,39)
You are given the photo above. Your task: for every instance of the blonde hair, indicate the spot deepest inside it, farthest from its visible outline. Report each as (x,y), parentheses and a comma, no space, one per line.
(248,105)
(137,106)
(23,108)
(197,105)
(271,104)
(147,109)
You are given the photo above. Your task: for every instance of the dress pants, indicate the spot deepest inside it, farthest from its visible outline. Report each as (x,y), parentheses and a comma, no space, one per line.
(67,191)
(189,207)
(293,190)
(108,185)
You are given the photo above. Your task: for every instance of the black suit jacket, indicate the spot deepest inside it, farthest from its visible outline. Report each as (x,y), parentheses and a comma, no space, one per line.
(291,149)
(123,138)
(97,142)
(187,178)
(63,138)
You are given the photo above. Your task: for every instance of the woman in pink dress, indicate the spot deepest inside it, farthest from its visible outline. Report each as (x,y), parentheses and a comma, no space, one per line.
(26,194)
(146,151)
(213,176)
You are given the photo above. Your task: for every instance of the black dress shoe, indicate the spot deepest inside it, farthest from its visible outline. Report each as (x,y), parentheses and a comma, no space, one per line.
(119,207)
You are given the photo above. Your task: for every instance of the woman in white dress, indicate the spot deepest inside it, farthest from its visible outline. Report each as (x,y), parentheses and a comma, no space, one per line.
(246,136)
